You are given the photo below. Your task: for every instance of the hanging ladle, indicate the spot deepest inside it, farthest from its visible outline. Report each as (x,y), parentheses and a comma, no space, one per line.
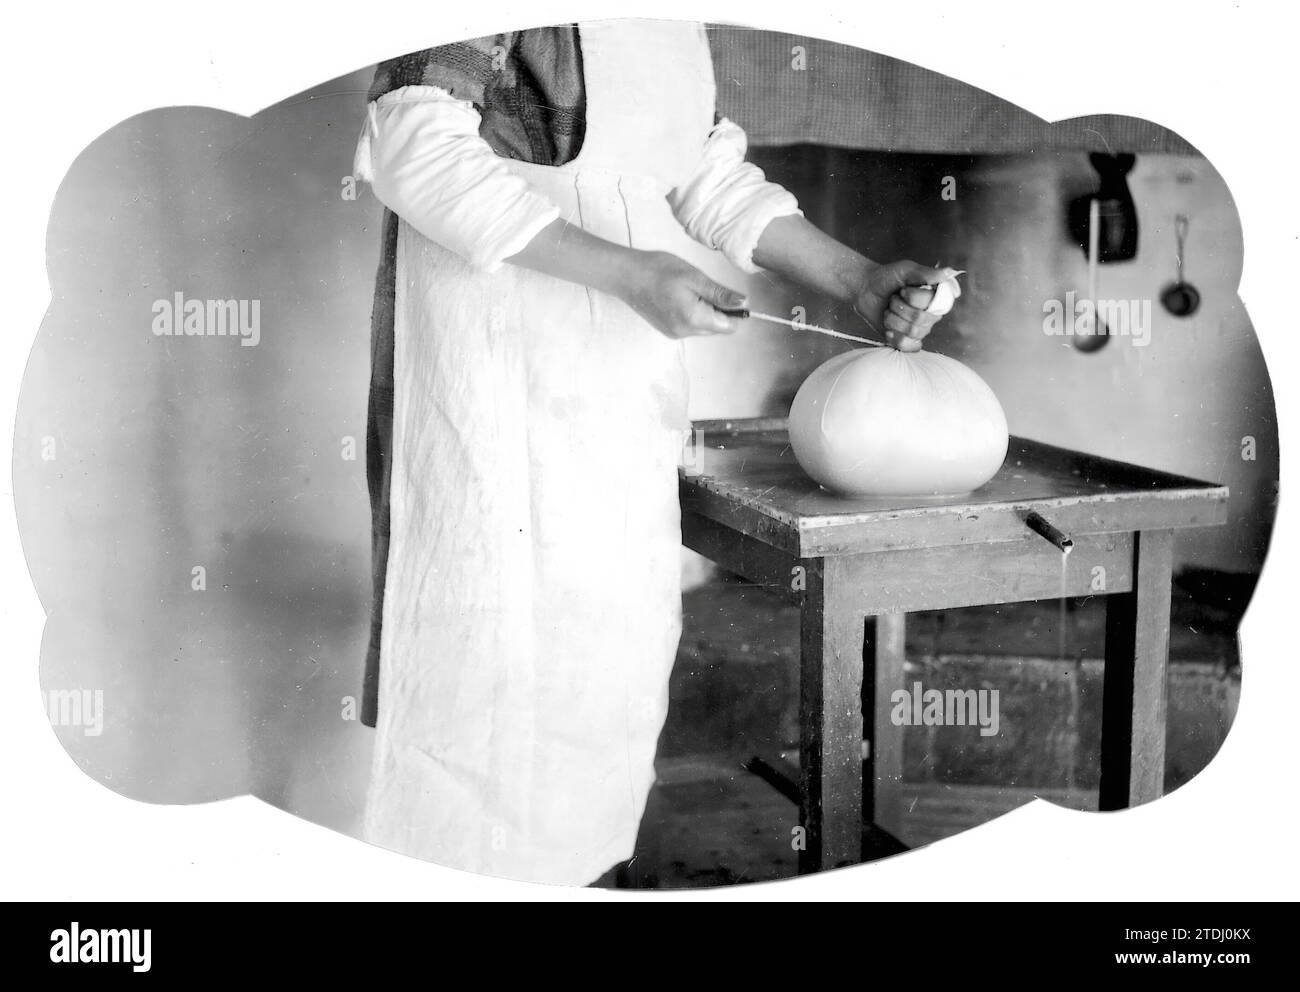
(1182,299)
(1092,335)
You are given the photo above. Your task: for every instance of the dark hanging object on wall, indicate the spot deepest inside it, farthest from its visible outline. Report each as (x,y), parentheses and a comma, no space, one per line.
(1119,225)
(1094,334)
(1181,299)
(1098,339)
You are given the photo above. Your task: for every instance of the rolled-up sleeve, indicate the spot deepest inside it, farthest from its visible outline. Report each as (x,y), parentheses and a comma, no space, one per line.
(728,202)
(421,153)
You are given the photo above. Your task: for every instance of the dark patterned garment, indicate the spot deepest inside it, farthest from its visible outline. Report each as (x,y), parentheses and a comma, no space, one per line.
(527,85)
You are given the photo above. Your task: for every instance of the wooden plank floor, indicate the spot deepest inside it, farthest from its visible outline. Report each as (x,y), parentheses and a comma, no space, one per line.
(709,822)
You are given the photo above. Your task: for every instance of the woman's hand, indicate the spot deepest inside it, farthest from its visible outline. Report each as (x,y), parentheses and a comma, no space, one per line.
(891,300)
(888,297)
(676,298)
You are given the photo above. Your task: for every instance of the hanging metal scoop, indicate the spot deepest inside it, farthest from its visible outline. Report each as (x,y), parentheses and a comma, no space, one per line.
(1182,299)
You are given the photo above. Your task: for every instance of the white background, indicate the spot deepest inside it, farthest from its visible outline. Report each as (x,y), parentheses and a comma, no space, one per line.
(1221,74)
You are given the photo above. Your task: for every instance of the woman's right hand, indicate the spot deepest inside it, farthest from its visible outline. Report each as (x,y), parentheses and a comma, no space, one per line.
(676,298)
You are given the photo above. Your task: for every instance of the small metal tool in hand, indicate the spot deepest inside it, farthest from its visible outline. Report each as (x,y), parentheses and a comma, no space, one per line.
(744,313)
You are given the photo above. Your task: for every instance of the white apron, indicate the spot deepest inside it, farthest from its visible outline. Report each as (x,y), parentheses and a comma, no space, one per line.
(533,605)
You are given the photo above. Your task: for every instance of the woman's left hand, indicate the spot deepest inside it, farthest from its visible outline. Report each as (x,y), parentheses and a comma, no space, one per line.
(891,299)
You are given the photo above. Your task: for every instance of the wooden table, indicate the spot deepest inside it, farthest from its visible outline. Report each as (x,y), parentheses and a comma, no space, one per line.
(855,567)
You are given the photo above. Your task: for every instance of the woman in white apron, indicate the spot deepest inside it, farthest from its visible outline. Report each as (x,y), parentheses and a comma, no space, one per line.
(532,606)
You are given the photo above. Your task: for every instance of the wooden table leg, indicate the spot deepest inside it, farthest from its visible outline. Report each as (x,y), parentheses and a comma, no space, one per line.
(882,771)
(830,718)
(1133,694)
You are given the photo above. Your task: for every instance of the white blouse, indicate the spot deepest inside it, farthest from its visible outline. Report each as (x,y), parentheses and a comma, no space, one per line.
(421,153)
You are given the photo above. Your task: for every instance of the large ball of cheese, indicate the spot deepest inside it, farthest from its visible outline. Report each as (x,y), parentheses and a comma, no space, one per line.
(878,422)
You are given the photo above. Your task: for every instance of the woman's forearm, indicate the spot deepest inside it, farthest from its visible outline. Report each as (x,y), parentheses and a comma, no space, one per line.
(791,246)
(893,299)
(672,295)
(567,252)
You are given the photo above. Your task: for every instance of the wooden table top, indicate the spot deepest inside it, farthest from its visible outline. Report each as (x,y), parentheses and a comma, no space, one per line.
(744,475)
